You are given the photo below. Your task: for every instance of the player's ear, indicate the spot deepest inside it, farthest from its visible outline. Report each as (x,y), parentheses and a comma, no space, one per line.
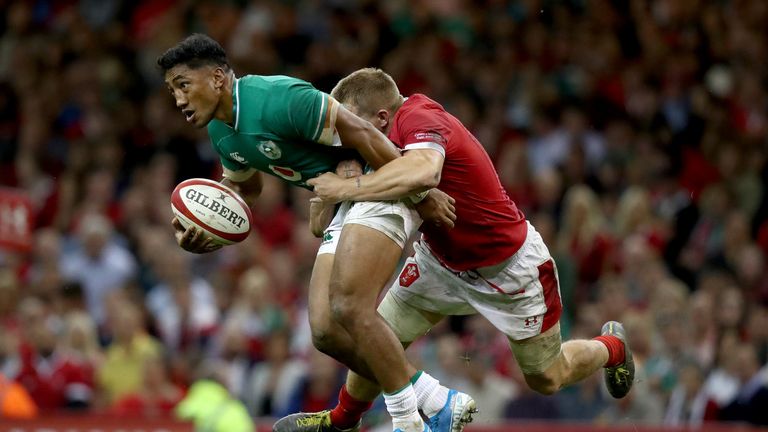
(219,78)
(382,118)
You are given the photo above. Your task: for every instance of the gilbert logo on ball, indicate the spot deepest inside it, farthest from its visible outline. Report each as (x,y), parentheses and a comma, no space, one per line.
(216,209)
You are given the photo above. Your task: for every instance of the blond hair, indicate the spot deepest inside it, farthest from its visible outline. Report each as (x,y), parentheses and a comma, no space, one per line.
(634,209)
(368,90)
(80,322)
(580,202)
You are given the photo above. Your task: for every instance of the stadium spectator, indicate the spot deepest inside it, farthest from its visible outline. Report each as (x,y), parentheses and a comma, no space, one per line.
(37,363)
(181,305)
(10,292)
(688,404)
(318,388)
(528,404)
(255,310)
(98,262)
(490,389)
(752,396)
(122,371)
(78,356)
(210,407)
(233,358)
(157,396)
(271,382)
(585,237)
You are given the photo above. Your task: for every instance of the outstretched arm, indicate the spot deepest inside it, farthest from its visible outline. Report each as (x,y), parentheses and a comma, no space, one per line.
(417,171)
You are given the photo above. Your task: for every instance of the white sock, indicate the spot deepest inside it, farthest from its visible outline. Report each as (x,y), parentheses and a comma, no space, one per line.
(403,409)
(430,394)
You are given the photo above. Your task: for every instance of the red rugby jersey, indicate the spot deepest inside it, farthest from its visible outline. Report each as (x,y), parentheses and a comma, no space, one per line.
(489,226)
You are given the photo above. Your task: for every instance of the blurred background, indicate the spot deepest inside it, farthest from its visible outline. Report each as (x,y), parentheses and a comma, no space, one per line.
(633,134)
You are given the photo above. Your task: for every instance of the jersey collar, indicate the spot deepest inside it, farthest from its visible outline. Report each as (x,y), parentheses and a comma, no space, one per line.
(236,102)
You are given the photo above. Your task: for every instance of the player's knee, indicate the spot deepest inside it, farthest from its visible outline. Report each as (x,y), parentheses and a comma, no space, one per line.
(323,329)
(546,384)
(323,336)
(407,322)
(545,380)
(324,341)
(343,309)
(541,361)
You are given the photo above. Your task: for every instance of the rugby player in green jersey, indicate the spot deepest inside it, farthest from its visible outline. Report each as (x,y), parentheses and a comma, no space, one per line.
(285,127)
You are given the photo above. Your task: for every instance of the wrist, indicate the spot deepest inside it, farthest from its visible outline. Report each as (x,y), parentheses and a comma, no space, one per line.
(351,189)
(420,197)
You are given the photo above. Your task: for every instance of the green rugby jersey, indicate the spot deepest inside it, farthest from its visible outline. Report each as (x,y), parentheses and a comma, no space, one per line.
(282,126)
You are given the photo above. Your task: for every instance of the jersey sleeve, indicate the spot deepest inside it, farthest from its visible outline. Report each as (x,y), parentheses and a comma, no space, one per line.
(236,171)
(232,169)
(306,113)
(422,130)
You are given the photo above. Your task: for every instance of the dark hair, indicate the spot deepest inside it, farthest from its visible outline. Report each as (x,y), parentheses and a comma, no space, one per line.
(194,51)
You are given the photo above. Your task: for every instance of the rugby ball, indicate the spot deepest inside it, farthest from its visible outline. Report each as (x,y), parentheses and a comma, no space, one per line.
(214,208)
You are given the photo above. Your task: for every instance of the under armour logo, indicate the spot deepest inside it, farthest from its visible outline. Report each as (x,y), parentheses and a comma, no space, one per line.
(532,320)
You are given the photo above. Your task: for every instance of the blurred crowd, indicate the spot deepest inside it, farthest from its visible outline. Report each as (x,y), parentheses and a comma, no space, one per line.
(633,134)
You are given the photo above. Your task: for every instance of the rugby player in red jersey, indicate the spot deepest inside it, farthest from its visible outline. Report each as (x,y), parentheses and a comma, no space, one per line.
(492,262)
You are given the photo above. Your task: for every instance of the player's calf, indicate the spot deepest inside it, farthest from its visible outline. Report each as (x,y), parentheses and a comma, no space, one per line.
(549,366)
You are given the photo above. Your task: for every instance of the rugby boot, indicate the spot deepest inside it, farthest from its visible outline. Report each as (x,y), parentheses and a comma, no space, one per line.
(619,378)
(456,413)
(310,422)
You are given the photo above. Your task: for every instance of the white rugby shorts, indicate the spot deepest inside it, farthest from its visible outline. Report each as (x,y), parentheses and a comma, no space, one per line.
(395,219)
(520,296)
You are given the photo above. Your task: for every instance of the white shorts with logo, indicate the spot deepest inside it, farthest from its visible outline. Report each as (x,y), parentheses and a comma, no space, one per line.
(520,296)
(394,219)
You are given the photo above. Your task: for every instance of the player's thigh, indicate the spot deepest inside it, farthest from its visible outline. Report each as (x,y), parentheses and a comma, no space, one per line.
(539,355)
(370,246)
(407,322)
(365,260)
(320,320)
(424,284)
(393,219)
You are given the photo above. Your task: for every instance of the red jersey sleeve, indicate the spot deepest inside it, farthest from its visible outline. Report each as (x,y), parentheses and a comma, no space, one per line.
(419,129)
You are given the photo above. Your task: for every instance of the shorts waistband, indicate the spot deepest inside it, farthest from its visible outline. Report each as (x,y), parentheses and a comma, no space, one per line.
(490,270)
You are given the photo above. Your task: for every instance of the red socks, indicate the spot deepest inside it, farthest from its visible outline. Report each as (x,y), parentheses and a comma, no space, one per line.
(349,411)
(616,354)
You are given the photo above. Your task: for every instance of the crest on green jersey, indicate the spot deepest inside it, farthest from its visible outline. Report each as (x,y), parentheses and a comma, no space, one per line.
(270,150)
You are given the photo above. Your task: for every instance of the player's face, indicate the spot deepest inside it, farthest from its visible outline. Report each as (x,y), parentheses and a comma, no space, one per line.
(195,91)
